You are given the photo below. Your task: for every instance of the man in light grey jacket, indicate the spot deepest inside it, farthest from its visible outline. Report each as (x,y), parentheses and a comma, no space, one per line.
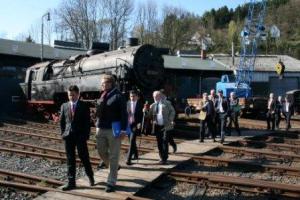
(162,114)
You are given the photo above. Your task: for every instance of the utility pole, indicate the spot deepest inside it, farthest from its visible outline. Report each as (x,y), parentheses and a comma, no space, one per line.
(42,34)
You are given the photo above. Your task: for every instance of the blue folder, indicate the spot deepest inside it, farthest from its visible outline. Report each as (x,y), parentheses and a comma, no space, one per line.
(116,129)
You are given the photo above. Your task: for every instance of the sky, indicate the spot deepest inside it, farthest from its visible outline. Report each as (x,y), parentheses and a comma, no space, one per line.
(17,16)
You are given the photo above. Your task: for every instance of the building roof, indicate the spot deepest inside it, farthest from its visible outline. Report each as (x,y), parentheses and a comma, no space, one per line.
(193,63)
(263,63)
(11,47)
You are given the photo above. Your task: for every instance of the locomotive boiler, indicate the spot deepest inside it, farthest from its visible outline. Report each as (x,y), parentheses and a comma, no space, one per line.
(140,67)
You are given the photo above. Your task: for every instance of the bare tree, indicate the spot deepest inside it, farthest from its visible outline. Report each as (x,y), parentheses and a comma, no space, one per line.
(118,12)
(78,18)
(147,23)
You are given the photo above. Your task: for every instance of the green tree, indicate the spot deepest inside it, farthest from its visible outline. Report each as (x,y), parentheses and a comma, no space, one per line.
(233,33)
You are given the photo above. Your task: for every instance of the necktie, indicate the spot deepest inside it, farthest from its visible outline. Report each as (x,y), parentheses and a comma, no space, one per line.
(103,95)
(157,108)
(73,107)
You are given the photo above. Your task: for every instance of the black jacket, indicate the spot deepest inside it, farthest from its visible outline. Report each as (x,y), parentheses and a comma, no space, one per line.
(138,114)
(110,109)
(79,126)
(224,105)
(272,106)
(291,109)
(208,107)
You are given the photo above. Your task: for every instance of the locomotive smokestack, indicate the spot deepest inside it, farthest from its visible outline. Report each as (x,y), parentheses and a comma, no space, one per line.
(98,47)
(131,42)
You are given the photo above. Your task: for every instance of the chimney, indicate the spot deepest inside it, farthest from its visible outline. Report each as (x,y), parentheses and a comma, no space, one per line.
(203,54)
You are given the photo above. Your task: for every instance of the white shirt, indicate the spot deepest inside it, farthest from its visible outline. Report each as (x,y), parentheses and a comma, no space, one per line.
(269,103)
(132,106)
(220,107)
(159,116)
(287,107)
(132,110)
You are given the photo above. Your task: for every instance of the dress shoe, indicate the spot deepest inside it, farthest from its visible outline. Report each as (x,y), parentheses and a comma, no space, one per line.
(214,140)
(92,181)
(109,188)
(222,141)
(135,158)
(163,162)
(69,187)
(101,166)
(201,141)
(174,148)
(128,162)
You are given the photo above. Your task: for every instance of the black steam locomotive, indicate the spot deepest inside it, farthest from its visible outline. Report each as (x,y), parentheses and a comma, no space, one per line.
(46,83)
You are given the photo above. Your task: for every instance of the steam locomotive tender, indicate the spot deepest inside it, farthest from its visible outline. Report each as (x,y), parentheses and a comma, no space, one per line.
(46,83)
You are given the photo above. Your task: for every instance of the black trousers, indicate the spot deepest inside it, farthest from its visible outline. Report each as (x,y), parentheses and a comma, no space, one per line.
(287,120)
(233,117)
(209,123)
(277,119)
(83,153)
(133,151)
(171,139)
(221,124)
(162,139)
(270,119)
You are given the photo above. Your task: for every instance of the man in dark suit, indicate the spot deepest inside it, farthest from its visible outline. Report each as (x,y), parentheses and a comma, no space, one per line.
(271,112)
(75,130)
(288,111)
(207,111)
(135,117)
(278,111)
(221,107)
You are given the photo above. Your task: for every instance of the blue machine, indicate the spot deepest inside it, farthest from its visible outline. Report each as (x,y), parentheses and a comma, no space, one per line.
(251,34)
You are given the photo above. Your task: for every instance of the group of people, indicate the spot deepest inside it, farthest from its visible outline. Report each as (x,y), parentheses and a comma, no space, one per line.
(277,108)
(115,119)
(214,112)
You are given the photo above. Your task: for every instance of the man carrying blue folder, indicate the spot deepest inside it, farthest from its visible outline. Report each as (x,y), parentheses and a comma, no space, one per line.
(111,125)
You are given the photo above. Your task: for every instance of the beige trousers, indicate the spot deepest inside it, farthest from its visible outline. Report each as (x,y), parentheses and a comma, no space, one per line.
(109,151)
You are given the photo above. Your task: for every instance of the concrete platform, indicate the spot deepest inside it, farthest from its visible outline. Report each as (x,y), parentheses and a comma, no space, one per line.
(135,177)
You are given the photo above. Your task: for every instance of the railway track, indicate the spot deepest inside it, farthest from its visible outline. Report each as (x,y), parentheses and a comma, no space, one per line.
(277,147)
(238,184)
(29,179)
(58,139)
(259,153)
(57,133)
(61,155)
(247,165)
(39,189)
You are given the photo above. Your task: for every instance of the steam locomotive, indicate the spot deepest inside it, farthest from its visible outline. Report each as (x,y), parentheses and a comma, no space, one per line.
(139,66)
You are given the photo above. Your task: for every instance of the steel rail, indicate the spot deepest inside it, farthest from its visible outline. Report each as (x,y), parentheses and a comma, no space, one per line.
(28,178)
(36,130)
(238,183)
(60,140)
(43,150)
(259,153)
(251,165)
(273,146)
(42,155)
